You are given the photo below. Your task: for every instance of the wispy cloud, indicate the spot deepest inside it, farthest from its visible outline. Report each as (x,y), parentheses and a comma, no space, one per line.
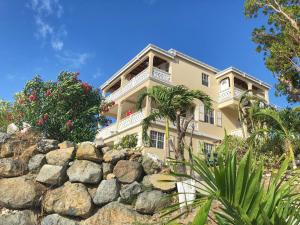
(44,11)
(72,59)
(97,74)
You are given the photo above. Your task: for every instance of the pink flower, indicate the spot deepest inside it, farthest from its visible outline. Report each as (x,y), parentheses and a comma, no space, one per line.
(69,123)
(46,117)
(32,97)
(48,93)
(40,122)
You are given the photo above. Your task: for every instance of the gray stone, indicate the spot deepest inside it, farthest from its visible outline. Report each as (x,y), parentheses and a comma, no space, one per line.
(151,163)
(150,202)
(129,192)
(19,193)
(25,217)
(107,191)
(87,151)
(10,167)
(107,169)
(116,213)
(60,156)
(10,147)
(146,182)
(114,156)
(72,199)
(12,128)
(85,172)
(3,137)
(46,145)
(50,174)
(36,162)
(56,219)
(128,171)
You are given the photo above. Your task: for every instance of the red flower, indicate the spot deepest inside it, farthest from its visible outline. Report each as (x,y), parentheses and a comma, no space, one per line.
(40,122)
(46,117)
(69,123)
(48,93)
(86,87)
(32,97)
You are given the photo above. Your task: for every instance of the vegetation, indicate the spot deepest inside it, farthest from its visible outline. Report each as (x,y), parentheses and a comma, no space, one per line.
(174,104)
(5,115)
(63,110)
(279,39)
(128,141)
(240,191)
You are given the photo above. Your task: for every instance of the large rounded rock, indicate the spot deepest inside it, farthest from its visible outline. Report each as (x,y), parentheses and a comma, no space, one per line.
(50,174)
(128,171)
(88,151)
(151,163)
(8,149)
(56,219)
(36,162)
(150,202)
(72,199)
(59,157)
(3,137)
(46,145)
(25,217)
(19,193)
(116,213)
(12,128)
(163,182)
(85,171)
(65,144)
(107,191)
(107,168)
(114,156)
(129,192)
(10,167)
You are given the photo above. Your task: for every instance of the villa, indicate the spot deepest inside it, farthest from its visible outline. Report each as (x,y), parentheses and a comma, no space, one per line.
(154,66)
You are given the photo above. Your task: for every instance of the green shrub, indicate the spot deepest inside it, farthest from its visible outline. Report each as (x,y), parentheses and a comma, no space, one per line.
(128,141)
(5,115)
(63,110)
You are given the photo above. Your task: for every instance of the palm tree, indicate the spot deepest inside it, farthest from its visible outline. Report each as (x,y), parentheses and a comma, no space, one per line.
(174,104)
(241,193)
(266,124)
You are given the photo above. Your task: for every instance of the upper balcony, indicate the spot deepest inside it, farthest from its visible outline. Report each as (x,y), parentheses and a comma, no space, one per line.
(151,67)
(233,84)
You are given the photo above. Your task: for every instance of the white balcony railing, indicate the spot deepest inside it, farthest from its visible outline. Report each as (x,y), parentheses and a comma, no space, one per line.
(108,131)
(237,132)
(227,95)
(137,80)
(131,120)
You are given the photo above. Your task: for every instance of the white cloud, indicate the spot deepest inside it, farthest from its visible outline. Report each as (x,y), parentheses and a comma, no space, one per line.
(44,10)
(97,74)
(72,59)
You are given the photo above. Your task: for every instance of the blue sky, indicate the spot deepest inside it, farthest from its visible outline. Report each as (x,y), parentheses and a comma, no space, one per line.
(97,37)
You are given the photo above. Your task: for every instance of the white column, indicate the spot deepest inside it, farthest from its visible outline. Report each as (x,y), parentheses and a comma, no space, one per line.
(151,57)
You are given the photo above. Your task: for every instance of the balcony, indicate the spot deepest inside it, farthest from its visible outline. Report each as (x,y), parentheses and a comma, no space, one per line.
(157,74)
(227,95)
(125,123)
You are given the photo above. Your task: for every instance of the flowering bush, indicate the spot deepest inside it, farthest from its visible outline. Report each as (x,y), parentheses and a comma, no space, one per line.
(63,110)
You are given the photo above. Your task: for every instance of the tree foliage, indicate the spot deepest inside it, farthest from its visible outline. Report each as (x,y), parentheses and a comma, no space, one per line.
(174,104)
(5,115)
(279,40)
(63,110)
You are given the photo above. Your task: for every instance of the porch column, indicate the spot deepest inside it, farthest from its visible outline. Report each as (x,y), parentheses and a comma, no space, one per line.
(266,96)
(250,88)
(119,113)
(148,106)
(151,57)
(104,93)
(231,77)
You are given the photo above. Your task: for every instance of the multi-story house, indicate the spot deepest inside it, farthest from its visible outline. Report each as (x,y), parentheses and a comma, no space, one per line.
(155,66)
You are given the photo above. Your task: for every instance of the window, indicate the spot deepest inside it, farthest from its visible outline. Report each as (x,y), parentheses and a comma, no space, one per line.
(157,139)
(205,79)
(209,116)
(208,148)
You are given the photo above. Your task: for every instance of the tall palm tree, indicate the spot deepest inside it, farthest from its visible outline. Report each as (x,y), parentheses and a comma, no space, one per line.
(174,104)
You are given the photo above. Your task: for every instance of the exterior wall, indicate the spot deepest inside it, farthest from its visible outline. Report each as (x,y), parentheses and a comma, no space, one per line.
(188,73)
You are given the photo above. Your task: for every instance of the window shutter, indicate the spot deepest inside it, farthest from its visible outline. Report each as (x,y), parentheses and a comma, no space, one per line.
(201,111)
(219,118)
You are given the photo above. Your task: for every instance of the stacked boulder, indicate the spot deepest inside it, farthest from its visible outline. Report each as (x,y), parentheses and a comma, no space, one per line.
(52,183)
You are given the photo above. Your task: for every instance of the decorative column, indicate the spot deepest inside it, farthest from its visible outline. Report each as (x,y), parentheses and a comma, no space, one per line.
(231,77)
(119,113)
(250,88)
(267,95)
(122,80)
(151,57)
(148,106)
(104,93)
